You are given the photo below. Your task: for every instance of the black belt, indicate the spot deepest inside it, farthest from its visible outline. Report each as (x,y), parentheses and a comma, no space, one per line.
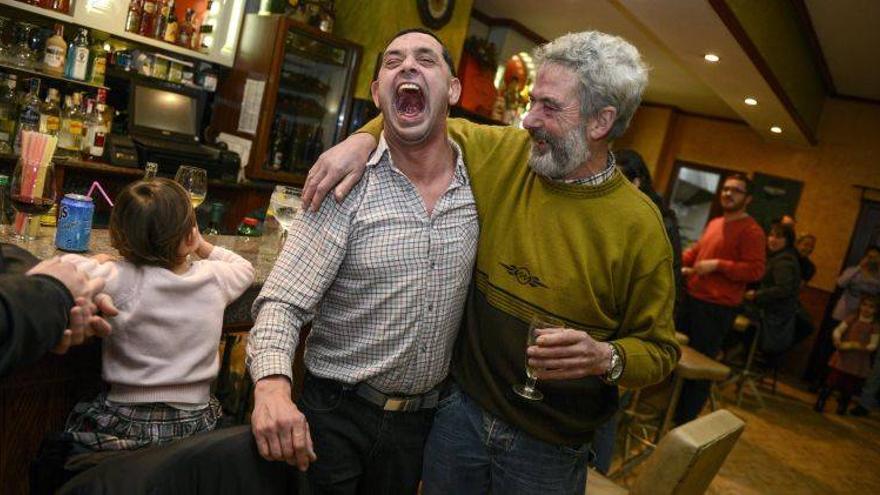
(400,403)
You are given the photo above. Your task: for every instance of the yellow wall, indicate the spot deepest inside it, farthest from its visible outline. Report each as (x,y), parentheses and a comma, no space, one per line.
(370,23)
(647,133)
(848,153)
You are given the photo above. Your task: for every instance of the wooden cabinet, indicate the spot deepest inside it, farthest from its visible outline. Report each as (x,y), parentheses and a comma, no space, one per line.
(289,93)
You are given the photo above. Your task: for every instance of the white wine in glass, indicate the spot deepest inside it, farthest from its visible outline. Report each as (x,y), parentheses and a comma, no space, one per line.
(527,390)
(286,202)
(195,181)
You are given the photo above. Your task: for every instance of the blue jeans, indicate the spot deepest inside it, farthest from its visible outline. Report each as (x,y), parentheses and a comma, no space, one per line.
(469,451)
(868,400)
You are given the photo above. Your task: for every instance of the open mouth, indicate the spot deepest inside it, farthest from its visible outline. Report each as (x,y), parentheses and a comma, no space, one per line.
(410,100)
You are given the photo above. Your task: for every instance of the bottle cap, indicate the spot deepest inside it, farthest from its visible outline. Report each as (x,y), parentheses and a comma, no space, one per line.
(250,221)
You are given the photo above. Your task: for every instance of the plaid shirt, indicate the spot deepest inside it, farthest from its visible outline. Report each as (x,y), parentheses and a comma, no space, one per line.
(384,282)
(599,177)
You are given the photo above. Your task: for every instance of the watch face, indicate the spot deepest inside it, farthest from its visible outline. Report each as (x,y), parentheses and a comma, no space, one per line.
(435,13)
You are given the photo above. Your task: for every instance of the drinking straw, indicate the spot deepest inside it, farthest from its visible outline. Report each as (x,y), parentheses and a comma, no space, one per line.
(45,151)
(101,190)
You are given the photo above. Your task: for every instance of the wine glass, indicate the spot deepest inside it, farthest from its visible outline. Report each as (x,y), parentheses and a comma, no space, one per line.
(528,390)
(4,46)
(195,181)
(32,191)
(285,202)
(22,55)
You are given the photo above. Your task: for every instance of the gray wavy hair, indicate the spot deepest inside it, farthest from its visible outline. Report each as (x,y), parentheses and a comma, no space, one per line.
(610,69)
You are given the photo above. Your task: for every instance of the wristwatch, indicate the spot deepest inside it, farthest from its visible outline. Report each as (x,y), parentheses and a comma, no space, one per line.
(615,367)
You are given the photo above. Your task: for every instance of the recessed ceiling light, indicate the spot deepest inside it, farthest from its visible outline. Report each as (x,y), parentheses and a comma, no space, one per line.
(711,57)
(776,129)
(750,101)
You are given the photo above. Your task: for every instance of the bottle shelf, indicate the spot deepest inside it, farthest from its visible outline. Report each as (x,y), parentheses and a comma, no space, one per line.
(25,70)
(109,16)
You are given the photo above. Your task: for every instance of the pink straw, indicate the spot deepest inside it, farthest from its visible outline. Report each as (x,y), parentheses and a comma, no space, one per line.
(101,189)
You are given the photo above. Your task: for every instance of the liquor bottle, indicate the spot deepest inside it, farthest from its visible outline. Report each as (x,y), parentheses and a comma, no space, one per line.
(62,6)
(56,52)
(205,39)
(50,114)
(315,146)
(6,211)
(187,30)
(162,9)
(29,116)
(171,26)
(108,112)
(133,19)
(96,131)
(213,227)
(8,113)
(97,63)
(276,153)
(150,170)
(78,56)
(70,136)
(148,18)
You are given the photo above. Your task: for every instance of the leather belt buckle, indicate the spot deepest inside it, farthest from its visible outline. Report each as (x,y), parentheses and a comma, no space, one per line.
(398,404)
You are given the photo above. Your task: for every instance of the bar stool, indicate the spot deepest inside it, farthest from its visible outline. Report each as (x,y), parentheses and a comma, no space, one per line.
(746,377)
(692,366)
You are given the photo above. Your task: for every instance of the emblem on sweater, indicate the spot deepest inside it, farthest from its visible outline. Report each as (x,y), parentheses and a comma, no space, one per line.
(523,275)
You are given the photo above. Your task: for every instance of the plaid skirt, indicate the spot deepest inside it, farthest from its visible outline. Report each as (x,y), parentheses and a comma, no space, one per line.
(104,425)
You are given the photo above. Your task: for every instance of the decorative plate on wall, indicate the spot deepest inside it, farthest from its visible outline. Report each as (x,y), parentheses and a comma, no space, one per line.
(435,13)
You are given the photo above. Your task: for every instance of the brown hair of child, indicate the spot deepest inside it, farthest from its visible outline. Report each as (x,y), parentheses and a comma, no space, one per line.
(150,221)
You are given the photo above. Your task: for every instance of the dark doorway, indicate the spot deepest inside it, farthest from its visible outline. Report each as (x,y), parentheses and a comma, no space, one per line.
(773,197)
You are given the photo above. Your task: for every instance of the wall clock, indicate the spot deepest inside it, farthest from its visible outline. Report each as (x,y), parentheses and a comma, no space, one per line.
(435,13)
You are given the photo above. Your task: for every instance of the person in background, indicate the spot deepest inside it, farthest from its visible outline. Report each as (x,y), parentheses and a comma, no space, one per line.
(564,234)
(162,356)
(858,281)
(855,282)
(383,276)
(805,245)
(855,338)
(869,400)
(50,308)
(777,294)
(730,254)
(632,165)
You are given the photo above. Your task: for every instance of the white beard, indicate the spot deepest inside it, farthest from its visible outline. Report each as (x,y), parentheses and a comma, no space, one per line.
(563,156)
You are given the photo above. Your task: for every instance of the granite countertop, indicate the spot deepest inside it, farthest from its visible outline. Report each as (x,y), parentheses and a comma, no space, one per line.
(260,251)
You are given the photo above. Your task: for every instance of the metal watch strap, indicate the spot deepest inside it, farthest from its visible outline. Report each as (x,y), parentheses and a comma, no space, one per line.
(615,368)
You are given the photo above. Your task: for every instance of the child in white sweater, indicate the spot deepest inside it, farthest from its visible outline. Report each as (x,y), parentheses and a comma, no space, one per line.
(162,355)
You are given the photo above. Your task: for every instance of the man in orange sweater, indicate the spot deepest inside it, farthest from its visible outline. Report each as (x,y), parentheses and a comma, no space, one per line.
(729,255)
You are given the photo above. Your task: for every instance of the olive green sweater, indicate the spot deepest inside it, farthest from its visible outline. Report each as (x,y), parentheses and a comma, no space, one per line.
(596,257)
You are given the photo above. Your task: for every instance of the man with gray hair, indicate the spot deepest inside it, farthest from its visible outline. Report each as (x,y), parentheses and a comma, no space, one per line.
(566,239)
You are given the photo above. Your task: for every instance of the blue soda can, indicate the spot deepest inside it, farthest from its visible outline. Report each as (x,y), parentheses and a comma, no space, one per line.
(74,223)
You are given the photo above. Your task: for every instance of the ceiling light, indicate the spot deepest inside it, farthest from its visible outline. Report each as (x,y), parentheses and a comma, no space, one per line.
(750,101)
(776,129)
(711,57)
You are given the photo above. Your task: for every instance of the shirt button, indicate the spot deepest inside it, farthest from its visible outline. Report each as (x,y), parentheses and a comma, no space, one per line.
(424,347)
(432,264)
(430,307)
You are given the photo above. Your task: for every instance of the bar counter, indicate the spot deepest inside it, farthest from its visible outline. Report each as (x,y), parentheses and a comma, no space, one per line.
(260,251)
(35,399)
